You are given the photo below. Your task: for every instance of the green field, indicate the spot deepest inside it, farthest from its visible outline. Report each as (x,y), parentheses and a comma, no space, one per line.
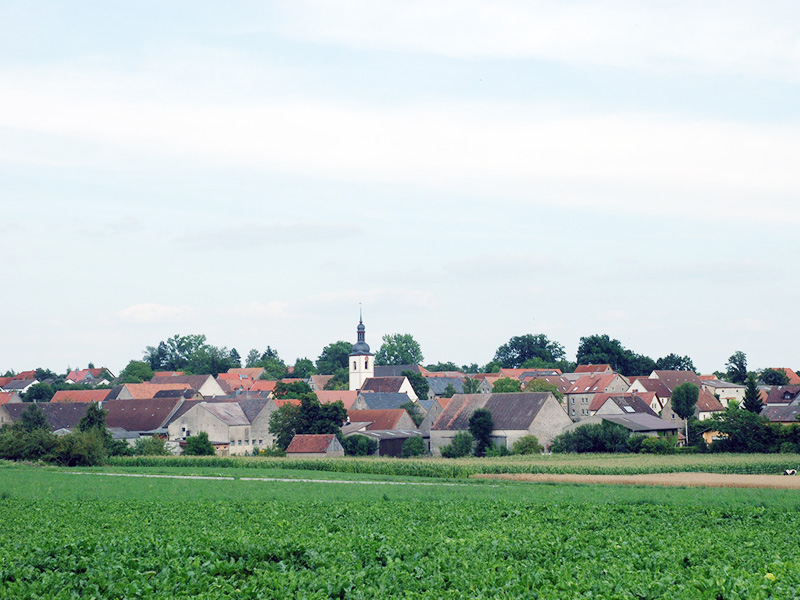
(67,535)
(592,464)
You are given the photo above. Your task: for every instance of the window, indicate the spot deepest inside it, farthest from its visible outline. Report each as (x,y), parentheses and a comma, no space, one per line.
(355,366)
(366,363)
(240,442)
(247,442)
(260,442)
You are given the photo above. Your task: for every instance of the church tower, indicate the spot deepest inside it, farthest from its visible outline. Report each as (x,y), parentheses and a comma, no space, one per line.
(361,359)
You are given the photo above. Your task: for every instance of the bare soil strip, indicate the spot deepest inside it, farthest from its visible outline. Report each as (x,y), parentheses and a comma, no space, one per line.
(778,482)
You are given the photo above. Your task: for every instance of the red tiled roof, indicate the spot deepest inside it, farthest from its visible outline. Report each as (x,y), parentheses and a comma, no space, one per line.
(592,368)
(592,384)
(385,418)
(5,380)
(310,443)
(284,401)
(249,372)
(655,385)
(708,403)
(80,395)
(672,379)
(6,397)
(346,396)
(168,373)
(80,375)
(22,375)
(263,385)
(383,384)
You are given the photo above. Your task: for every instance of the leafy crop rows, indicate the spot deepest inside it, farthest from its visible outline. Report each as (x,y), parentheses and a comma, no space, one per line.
(444,549)
(442,468)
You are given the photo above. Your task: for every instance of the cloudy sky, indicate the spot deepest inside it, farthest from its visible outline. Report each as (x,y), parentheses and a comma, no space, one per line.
(466,170)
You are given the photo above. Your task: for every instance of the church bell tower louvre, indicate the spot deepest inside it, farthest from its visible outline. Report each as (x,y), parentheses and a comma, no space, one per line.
(361,360)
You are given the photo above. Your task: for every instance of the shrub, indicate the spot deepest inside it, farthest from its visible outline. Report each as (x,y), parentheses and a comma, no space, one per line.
(527,444)
(272,450)
(635,442)
(359,445)
(600,437)
(150,446)
(460,446)
(658,445)
(497,450)
(199,445)
(80,449)
(413,446)
(481,426)
(788,448)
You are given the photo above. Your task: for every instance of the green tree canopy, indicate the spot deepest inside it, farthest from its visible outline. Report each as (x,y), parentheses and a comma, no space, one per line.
(674,362)
(684,399)
(774,377)
(32,418)
(471,385)
(399,349)
(192,354)
(449,391)
(359,445)
(419,383)
(443,366)
(542,385)
(460,446)
(481,426)
(293,389)
(309,417)
(334,357)
(94,419)
(137,371)
(752,398)
(506,385)
(522,348)
(601,349)
(303,368)
(413,446)
(736,367)
(39,392)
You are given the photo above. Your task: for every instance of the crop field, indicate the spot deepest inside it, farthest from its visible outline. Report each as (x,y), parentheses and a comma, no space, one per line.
(589,464)
(67,535)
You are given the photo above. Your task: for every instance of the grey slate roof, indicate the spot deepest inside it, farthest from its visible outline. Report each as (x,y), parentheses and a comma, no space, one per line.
(146,415)
(394,370)
(640,422)
(229,413)
(383,400)
(61,415)
(438,385)
(426,404)
(18,384)
(782,414)
(509,411)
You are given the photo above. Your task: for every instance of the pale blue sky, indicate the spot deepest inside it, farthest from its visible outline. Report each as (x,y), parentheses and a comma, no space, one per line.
(469,171)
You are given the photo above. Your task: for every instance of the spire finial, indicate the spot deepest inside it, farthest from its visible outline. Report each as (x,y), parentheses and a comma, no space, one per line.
(360,313)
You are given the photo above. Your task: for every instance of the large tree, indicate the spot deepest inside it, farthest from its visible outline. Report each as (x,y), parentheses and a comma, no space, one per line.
(736,367)
(190,353)
(334,357)
(752,398)
(137,371)
(39,392)
(542,385)
(774,377)
(674,362)
(684,401)
(481,426)
(419,383)
(601,349)
(471,385)
(522,348)
(399,349)
(303,368)
(309,417)
(506,385)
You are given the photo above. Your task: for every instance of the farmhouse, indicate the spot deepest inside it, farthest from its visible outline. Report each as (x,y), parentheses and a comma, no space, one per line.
(320,445)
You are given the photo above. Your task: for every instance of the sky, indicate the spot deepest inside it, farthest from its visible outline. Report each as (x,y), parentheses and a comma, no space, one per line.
(466,171)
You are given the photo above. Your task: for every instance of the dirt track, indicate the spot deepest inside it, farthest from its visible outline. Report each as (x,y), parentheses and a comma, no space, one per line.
(782,482)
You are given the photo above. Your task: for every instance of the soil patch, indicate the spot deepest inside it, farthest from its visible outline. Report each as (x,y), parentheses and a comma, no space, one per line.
(781,482)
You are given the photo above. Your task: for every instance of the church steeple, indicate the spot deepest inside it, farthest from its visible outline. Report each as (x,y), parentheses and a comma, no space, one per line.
(360,359)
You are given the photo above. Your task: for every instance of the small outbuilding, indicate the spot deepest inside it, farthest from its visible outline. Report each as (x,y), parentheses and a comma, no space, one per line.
(317,445)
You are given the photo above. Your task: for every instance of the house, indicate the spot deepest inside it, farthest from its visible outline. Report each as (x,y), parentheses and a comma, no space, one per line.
(724,391)
(205,384)
(644,424)
(20,386)
(320,445)
(788,414)
(625,404)
(147,416)
(80,396)
(641,385)
(264,385)
(579,396)
(317,383)
(253,373)
(90,376)
(706,406)
(381,400)
(139,391)
(63,415)
(389,385)
(514,416)
(437,386)
(242,425)
(783,395)
(346,397)
(528,373)
(436,408)
(382,419)
(12,397)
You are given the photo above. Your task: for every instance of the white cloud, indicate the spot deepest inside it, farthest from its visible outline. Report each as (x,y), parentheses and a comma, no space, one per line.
(734,36)
(643,163)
